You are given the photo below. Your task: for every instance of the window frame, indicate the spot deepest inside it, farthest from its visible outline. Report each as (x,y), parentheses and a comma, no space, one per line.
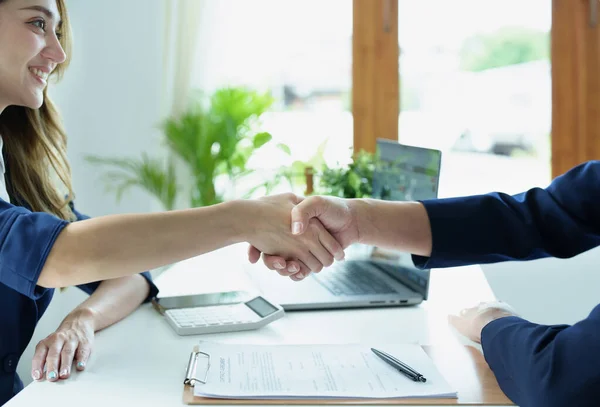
(375,78)
(575,61)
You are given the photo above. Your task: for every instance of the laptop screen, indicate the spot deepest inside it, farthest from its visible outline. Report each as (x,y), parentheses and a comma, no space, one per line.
(405,173)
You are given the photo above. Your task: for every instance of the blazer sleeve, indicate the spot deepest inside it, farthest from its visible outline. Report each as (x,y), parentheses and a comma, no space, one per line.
(561,221)
(89,288)
(545,365)
(26,239)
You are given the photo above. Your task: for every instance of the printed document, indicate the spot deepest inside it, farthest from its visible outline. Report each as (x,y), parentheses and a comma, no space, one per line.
(315,371)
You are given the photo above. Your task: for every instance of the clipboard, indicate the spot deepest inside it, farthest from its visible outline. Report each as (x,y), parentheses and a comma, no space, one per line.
(464,367)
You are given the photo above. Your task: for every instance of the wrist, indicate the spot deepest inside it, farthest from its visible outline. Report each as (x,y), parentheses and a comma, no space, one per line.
(240,216)
(83,315)
(362,210)
(396,225)
(488,319)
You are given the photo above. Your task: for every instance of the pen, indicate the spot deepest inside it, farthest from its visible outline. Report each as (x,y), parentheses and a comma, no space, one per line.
(402,367)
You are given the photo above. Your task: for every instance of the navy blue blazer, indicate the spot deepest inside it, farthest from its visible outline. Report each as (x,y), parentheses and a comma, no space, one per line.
(536,365)
(25,240)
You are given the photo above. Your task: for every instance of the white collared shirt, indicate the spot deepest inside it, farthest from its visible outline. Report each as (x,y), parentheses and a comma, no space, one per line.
(3,193)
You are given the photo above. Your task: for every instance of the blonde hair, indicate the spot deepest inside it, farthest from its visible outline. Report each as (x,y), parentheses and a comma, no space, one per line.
(35,146)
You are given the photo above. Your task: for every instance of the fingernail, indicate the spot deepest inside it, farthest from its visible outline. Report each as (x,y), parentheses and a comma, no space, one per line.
(296,228)
(299,276)
(36,375)
(52,375)
(81,365)
(64,373)
(339,256)
(293,269)
(278,266)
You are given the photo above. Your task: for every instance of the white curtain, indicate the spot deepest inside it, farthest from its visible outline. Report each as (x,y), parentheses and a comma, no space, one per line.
(180,44)
(182,29)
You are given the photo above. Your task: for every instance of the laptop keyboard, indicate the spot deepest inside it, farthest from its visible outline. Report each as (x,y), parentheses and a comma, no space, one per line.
(353,280)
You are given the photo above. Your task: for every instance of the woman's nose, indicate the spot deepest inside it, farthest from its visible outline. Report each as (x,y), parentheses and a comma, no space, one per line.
(54,50)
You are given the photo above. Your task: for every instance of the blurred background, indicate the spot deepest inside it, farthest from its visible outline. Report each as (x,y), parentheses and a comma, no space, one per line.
(474,80)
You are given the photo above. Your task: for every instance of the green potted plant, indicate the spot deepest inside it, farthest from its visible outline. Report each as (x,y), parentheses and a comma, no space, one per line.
(353,180)
(212,139)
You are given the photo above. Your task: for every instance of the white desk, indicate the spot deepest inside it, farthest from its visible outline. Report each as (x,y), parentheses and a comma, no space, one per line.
(141,361)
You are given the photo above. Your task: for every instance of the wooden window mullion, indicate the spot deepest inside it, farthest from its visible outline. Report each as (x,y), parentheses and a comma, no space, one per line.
(375,87)
(575,84)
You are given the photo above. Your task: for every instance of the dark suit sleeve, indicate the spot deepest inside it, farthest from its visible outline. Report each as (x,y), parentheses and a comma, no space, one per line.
(536,365)
(545,365)
(561,221)
(89,288)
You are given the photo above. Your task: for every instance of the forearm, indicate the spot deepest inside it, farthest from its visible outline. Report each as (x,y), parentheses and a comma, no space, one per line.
(542,365)
(402,226)
(509,347)
(113,300)
(120,245)
(561,220)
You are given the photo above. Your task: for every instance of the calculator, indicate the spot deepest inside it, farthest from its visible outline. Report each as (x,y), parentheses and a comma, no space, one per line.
(252,314)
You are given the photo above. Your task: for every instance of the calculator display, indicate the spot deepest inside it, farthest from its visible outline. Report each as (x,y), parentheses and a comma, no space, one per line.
(261,307)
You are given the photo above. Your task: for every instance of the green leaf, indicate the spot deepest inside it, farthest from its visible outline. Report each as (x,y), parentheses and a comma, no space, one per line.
(145,173)
(237,160)
(285,148)
(261,139)
(317,161)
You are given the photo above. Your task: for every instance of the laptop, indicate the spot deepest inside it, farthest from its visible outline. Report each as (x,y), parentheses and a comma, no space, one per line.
(370,276)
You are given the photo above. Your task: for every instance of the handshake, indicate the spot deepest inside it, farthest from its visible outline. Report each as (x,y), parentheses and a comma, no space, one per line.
(297,235)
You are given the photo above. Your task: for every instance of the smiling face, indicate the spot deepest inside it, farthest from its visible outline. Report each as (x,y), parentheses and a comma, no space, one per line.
(30,50)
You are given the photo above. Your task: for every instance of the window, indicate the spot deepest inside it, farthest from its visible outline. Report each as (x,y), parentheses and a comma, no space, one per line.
(301,51)
(476,80)
(476,83)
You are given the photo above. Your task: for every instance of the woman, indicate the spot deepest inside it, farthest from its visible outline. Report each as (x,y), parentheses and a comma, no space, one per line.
(45,243)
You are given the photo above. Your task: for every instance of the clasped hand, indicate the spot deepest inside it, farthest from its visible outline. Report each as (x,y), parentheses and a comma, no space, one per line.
(295,253)
(306,234)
